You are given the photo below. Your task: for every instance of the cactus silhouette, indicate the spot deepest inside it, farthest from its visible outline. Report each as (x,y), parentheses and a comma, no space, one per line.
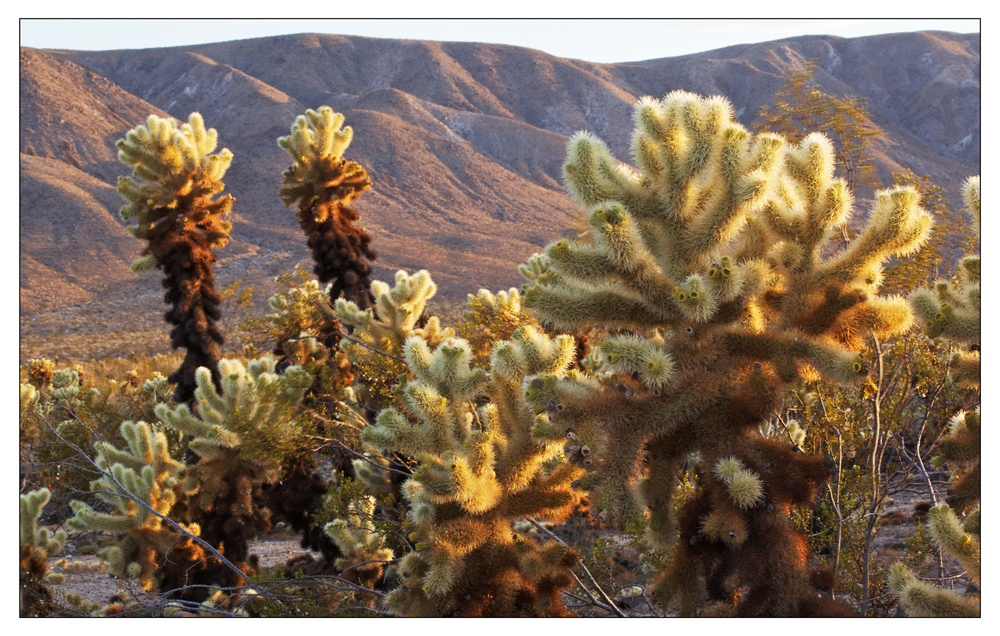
(710,261)
(174,199)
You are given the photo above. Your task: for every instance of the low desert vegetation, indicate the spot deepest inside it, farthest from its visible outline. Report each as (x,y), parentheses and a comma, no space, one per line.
(730,394)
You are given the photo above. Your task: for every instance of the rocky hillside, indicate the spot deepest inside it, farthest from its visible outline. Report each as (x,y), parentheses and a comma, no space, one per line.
(464,141)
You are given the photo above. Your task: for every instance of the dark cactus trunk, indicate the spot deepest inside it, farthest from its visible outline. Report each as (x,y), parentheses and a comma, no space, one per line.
(195,308)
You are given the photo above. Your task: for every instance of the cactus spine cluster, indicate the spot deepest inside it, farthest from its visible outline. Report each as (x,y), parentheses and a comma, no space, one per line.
(951,310)
(174,199)
(480,470)
(323,184)
(709,259)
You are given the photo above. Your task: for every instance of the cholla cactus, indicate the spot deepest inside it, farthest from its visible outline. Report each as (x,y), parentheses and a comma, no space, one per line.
(40,372)
(710,258)
(303,309)
(307,334)
(363,548)
(151,551)
(952,311)
(488,319)
(64,390)
(323,184)
(157,389)
(961,542)
(242,434)
(36,546)
(173,199)
(480,471)
(400,310)
(400,314)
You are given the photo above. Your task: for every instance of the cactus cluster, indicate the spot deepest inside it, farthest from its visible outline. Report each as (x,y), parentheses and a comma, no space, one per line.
(398,314)
(712,261)
(323,184)
(364,550)
(480,470)
(951,310)
(241,435)
(174,198)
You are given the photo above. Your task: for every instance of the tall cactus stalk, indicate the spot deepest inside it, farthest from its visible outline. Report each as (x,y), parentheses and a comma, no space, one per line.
(323,184)
(174,199)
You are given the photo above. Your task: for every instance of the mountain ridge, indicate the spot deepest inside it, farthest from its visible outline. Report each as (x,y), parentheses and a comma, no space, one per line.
(464,141)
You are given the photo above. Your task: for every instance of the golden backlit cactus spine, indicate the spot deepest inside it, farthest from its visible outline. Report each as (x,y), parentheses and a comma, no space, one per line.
(480,470)
(323,184)
(710,257)
(36,546)
(398,315)
(173,195)
(241,434)
(151,550)
(951,310)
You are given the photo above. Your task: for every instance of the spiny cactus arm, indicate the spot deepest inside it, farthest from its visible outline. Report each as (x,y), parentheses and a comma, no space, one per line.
(923,600)
(809,202)
(547,496)
(570,306)
(399,309)
(948,533)
(593,175)
(357,538)
(970,196)
(965,368)
(44,544)
(957,322)
(962,444)
(181,419)
(897,226)
(446,369)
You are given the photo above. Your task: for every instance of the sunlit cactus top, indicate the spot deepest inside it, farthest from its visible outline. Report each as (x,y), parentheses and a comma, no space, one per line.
(175,179)
(317,144)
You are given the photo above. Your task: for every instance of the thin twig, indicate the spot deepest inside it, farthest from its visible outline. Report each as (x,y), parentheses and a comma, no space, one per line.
(368,346)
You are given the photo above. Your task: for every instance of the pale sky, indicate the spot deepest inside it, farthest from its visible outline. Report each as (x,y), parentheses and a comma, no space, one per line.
(595,40)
